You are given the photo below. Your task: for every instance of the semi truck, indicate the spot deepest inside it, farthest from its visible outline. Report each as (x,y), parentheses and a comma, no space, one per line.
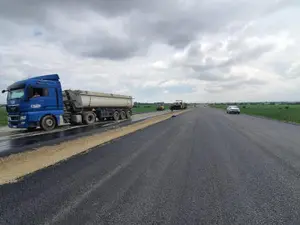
(41,102)
(178,105)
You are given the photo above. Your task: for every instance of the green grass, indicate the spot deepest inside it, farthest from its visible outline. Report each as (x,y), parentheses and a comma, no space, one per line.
(282,112)
(3,117)
(143,108)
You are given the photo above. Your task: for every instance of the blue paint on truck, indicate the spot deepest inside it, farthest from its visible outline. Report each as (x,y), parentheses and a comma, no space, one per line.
(28,101)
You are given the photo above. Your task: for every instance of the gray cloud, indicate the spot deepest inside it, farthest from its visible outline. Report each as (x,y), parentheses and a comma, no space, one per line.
(40,36)
(214,75)
(218,72)
(240,53)
(103,47)
(176,23)
(234,85)
(293,72)
(247,54)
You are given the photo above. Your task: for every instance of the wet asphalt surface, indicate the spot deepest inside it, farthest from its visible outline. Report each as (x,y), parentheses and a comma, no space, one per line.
(22,140)
(202,167)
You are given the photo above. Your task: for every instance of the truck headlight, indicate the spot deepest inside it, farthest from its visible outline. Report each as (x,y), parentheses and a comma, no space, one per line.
(22,117)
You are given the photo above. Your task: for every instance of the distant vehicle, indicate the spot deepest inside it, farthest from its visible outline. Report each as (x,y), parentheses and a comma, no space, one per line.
(233,109)
(160,107)
(41,102)
(178,105)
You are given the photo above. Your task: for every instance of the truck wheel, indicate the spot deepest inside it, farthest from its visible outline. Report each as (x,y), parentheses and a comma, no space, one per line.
(123,115)
(89,118)
(48,123)
(128,114)
(116,115)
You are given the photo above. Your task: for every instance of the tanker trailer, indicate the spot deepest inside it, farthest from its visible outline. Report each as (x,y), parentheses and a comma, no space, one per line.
(85,106)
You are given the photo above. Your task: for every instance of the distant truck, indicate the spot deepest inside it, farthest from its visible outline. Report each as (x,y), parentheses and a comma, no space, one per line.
(41,102)
(160,106)
(178,105)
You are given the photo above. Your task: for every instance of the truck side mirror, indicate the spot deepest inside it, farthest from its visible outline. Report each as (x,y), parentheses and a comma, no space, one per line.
(3,91)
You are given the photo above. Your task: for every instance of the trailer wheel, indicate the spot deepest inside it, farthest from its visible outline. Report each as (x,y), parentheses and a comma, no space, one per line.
(48,123)
(123,115)
(89,118)
(128,114)
(116,115)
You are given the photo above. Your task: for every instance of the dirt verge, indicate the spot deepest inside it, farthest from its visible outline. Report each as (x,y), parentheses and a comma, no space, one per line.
(18,165)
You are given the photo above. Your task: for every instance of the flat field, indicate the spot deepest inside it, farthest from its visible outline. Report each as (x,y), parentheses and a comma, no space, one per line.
(3,117)
(283,112)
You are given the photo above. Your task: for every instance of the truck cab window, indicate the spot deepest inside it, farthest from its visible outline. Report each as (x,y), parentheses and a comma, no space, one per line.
(16,93)
(39,92)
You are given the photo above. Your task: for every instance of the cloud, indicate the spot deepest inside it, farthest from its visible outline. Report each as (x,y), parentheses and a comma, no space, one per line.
(293,71)
(170,49)
(235,53)
(114,48)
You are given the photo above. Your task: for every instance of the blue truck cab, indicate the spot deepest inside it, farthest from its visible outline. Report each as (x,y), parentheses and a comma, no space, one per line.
(35,102)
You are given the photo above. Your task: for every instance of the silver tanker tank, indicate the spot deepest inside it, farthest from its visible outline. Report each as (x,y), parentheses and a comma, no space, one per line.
(84,106)
(88,99)
(96,99)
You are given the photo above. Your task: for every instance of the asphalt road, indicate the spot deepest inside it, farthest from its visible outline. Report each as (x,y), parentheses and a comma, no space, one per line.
(202,167)
(19,141)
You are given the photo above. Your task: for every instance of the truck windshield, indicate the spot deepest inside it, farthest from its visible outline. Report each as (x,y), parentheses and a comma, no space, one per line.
(16,93)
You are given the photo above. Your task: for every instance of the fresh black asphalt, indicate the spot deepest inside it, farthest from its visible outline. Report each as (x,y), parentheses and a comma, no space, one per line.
(202,167)
(27,141)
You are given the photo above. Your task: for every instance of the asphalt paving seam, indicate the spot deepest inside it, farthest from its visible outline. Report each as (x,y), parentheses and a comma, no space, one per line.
(97,130)
(86,149)
(15,134)
(67,209)
(6,148)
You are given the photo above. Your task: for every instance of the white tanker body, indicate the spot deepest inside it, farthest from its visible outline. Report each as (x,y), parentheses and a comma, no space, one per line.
(95,99)
(85,106)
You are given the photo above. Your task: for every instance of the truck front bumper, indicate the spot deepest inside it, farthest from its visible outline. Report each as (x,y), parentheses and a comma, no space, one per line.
(17,125)
(19,121)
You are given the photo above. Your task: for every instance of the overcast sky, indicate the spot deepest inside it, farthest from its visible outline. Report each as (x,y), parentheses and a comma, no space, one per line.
(158,50)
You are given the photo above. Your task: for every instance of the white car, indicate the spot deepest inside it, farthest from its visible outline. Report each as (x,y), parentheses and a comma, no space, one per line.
(233,109)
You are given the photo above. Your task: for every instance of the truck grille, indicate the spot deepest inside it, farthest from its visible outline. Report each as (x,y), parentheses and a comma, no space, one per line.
(14,123)
(14,118)
(12,109)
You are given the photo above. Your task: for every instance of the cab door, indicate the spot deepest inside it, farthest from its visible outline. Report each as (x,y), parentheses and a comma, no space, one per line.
(42,98)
